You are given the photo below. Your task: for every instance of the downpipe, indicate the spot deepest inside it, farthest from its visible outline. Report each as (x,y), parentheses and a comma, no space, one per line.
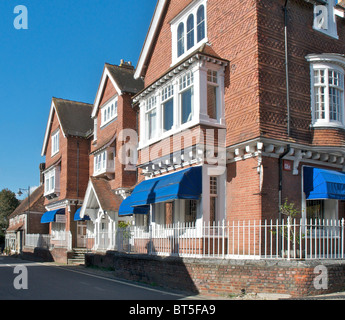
(287,67)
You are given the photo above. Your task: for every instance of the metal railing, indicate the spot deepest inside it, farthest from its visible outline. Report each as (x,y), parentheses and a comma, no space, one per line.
(249,239)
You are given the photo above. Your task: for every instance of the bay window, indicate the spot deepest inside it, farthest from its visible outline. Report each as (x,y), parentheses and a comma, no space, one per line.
(52,182)
(104,161)
(327,90)
(185,97)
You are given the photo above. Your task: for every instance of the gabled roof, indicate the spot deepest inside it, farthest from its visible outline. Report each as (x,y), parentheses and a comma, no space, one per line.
(150,37)
(36,203)
(74,118)
(122,78)
(99,190)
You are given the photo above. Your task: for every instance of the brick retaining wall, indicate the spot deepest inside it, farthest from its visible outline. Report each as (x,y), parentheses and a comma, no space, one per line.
(216,276)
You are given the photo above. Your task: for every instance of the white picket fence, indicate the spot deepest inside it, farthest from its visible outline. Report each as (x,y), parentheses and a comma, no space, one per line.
(37,241)
(288,239)
(47,241)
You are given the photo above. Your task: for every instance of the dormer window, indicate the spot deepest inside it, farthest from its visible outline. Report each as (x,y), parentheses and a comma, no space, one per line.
(189,30)
(327,90)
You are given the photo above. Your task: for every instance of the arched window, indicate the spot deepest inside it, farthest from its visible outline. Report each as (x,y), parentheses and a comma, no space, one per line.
(201,23)
(180,39)
(190,31)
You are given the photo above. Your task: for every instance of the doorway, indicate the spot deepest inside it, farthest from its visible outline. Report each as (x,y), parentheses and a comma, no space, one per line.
(81,234)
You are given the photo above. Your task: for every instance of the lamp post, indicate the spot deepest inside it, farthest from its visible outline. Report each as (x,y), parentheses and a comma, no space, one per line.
(28,212)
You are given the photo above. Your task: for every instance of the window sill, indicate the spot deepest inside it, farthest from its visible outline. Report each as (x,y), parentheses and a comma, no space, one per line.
(53,155)
(328,125)
(104,125)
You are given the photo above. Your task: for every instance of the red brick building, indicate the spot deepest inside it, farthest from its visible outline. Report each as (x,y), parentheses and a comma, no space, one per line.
(66,149)
(251,91)
(26,220)
(111,178)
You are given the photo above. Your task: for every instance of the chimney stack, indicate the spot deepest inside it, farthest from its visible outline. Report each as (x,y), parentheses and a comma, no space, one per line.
(126,64)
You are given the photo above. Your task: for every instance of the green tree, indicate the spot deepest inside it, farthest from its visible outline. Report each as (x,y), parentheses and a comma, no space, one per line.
(8,203)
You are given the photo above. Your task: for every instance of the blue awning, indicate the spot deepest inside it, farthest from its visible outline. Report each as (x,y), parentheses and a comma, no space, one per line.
(49,216)
(78,218)
(185,184)
(126,209)
(323,184)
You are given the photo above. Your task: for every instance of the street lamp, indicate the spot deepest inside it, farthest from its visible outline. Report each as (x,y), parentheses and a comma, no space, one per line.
(20,193)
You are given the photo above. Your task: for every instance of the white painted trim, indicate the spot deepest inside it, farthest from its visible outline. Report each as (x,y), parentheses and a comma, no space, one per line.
(198,68)
(48,127)
(106,74)
(150,37)
(183,17)
(90,188)
(326,62)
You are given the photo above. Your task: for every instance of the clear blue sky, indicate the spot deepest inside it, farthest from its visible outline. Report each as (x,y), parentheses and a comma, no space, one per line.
(62,54)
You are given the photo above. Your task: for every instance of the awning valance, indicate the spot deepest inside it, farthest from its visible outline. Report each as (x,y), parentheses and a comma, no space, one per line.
(126,209)
(323,184)
(185,184)
(49,216)
(78,218)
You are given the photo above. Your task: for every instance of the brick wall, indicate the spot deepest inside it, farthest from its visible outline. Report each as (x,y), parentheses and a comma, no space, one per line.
(232,31)
(302,40)
(243,200)
(213,276)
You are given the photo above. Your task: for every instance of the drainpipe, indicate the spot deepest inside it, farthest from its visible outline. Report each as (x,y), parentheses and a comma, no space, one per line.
(281,157)
(77,169)
(287,66)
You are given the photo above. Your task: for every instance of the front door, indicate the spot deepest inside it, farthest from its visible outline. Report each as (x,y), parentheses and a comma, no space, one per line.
(81,234)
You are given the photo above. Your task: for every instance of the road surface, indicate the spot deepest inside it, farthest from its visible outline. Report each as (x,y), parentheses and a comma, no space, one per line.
(24,280)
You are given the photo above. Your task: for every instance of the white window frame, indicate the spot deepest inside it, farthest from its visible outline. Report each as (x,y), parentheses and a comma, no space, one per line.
(104,161)
(325,20)
(185,83)
(150,108)
(195,79)
(95,129)
(52,181)
(167,95)
(109,111)
(327,67)
(55,143)
(100,162)
(182,18)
